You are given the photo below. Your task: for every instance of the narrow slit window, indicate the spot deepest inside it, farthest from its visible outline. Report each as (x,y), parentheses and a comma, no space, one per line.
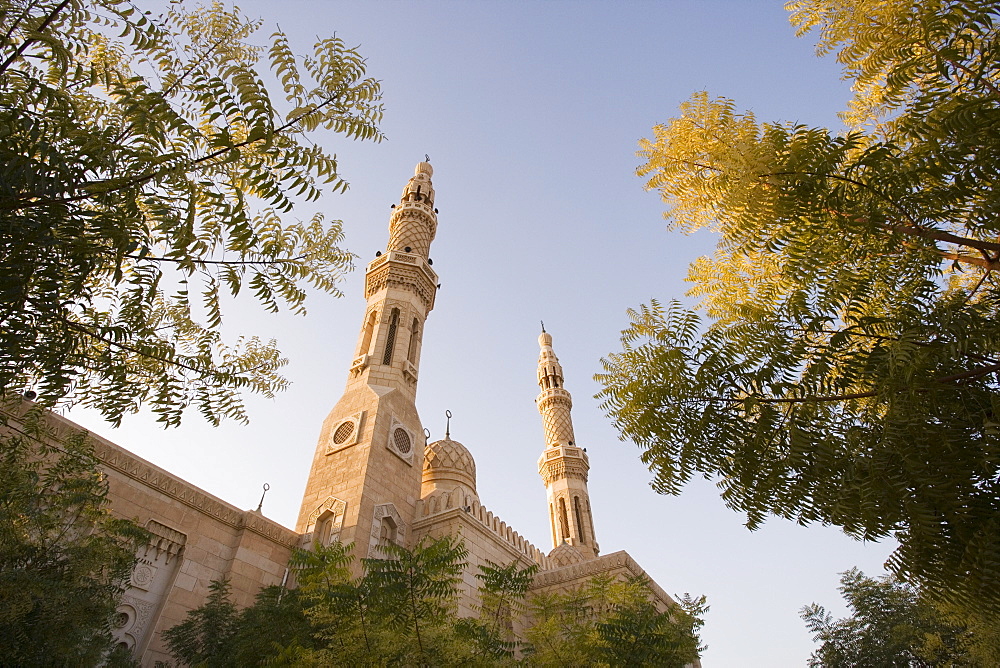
(579,519)
(366,340)
(411,353)
(563,519)
(390,337)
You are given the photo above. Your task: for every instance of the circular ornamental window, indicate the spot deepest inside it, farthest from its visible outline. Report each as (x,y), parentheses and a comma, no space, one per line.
(343,432)
(401,440)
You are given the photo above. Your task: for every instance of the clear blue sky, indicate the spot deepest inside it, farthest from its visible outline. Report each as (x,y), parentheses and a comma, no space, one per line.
(531,113)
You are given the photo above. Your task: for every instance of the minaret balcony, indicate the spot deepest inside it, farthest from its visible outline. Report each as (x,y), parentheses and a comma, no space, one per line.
(563,461)
(564,452)
(423,205)
(408,259)
(406,271)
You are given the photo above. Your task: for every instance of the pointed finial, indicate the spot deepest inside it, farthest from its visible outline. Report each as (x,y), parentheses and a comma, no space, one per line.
(447,429)
(543,325)
(261,504)
(427,158)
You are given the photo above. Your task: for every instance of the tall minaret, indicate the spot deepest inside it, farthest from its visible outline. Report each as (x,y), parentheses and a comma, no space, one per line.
(563,466)
(366,473)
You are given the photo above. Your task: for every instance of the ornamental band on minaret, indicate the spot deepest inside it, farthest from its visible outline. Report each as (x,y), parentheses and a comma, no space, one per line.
(366,471)
(563,466)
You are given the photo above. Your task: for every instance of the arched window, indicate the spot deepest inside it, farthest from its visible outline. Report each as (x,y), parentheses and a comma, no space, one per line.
(552,521)
(366,339)
(390,337)
(579,519)
(324,527)
(411,353)
(387,531)
(563,520)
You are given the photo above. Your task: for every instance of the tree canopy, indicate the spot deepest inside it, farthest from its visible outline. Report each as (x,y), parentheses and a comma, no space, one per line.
(403,612)
(845,369)
(148,172)
(894,625)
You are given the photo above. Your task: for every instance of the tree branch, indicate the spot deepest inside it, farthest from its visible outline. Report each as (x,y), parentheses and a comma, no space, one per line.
(220,262)
(26,201)
(28,42)
(938,235)
(85,330)
(963,375)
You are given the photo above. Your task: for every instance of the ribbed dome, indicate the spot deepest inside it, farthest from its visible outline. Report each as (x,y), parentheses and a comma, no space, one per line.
(449,461)
(566,555)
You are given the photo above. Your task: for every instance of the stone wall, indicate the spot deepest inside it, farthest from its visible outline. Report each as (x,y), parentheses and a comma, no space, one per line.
(196,538)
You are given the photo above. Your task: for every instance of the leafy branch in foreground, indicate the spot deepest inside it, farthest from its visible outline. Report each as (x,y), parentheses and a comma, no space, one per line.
(148,173)
(846,373)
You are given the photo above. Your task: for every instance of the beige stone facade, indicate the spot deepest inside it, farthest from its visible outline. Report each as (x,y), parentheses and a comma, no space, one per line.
(196,538)
(374,479)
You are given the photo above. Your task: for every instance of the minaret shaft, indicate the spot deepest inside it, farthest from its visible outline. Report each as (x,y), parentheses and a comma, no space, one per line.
(366,471)
(563,466)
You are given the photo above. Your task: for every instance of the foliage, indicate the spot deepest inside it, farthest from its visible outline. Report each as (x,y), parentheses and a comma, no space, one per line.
(402,612)
(415,593)
(502,590)
(895,624)
(206,635)
(613,623)
(274,629)
(148,173)
(847,374)
(64,560)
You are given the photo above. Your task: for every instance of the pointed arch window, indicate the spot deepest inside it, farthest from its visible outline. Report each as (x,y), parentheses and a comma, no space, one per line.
(366,339)
(390,337)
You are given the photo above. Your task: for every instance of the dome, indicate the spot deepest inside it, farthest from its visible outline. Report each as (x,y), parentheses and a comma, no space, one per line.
(423,167)
(447,461)
(566,555)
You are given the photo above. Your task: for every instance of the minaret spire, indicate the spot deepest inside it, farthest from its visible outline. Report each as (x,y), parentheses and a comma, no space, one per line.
(563,466)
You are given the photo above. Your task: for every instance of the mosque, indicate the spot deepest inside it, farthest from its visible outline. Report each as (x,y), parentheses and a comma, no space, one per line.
(374,479)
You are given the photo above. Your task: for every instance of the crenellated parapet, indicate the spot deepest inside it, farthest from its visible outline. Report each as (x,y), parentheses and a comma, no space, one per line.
(435,507)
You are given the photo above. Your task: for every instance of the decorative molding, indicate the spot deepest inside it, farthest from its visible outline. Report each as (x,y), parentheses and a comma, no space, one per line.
(116,458)
(563,467)
(381,512)
(336,506)
(143,575)
(416,278)
(360,363)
